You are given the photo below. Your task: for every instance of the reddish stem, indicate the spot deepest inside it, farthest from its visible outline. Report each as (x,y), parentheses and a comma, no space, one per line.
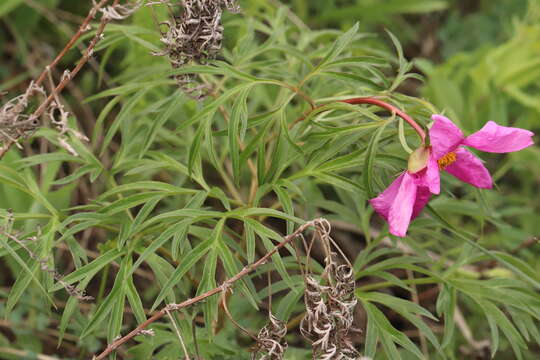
(389,107)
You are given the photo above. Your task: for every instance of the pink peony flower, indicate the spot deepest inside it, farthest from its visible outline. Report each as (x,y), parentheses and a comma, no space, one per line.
(405,198)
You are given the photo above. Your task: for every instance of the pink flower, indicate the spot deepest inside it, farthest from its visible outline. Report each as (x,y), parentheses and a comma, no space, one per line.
(405,198)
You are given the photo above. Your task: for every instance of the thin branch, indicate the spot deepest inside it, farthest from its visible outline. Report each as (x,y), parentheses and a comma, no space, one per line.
(234,322)
(85,26)
(71,74)
(178,335)
(24,354)
(67,74)
(372,101)
(223,287)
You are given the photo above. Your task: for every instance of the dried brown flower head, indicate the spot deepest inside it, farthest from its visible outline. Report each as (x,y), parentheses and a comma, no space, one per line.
(195,37)
(330,313)
(271,340)
(14,123)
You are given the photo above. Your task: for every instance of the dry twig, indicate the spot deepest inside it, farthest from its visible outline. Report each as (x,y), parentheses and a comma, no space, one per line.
(16,124)
(317,224)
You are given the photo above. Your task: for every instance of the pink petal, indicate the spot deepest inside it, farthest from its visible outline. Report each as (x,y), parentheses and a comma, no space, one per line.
(433,177)
(429,177)
(444,136)
(469,168)
(384,201)
(401,202)
(499,139)
(401,210)
(422,197)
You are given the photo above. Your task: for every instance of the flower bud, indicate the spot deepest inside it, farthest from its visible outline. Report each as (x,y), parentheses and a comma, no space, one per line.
(418,159)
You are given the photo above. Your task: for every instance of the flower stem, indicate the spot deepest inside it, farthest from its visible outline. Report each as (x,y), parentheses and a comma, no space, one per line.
(389,107)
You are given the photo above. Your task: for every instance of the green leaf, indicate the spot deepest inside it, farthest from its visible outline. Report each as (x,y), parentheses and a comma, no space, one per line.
(446,304)
(509,330)
(339,45)
(90,270)
(154,245)
(369,161)
(241,213)
(164,115)
(135,301)
(232,268)
(130,201)
(9,5)
(186,263)
(510,262)
(389,332)
(46,158)
(237,130)
(405,308)
(372,338)
(146,186)
(125,113)
(180,237)
(265,233)
(250,242)
(17,290)
(287,204)
(72,305)
(116,294)
(117,314)
(195,147)
(137,222)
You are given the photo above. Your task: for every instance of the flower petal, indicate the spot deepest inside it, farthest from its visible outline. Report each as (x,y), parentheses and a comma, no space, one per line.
(499,139)
(444,136)
(422,197)
(384,201)
(433,177)
(401,202)
(469,168)
(401,210)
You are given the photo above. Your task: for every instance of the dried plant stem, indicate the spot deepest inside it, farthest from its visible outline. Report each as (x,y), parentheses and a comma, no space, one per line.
(234,322)
(67,75)
(223,287)
(178,335)
(84,59)
(82,29)
(24,354)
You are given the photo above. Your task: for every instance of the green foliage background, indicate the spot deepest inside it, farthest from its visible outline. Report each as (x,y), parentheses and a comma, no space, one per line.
(171,195)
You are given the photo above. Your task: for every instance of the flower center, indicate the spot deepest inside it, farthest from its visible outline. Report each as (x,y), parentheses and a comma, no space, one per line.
(446,160)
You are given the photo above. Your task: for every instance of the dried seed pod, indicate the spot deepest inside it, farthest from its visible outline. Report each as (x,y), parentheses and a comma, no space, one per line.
(271,340)
(14,124)
(330,313)
(195,37)
(119,11)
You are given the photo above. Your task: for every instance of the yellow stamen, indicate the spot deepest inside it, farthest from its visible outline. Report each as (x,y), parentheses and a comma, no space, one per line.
(446,160)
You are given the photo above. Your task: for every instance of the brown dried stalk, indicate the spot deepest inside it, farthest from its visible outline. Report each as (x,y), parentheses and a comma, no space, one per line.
(14,124)
(317,224)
